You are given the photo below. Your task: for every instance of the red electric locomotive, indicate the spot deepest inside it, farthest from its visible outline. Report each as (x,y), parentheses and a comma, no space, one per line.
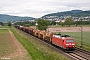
(64,41)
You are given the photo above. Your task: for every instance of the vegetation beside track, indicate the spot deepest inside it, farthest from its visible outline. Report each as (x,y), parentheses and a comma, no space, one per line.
(36,50)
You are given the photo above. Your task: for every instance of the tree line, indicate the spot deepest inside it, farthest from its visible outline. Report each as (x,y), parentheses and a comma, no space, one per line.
(43,24)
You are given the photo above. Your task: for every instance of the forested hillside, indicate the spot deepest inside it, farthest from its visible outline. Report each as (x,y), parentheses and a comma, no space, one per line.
(73,13)
(7,18)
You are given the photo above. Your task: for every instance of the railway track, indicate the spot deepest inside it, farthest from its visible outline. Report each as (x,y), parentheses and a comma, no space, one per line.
(78,54)
(84,54)
(83,51)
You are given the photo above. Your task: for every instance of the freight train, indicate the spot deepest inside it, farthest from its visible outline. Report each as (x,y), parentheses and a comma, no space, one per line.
(63,41)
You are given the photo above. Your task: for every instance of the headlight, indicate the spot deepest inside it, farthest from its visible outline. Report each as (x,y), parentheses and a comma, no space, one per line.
(73,44)
(67,44)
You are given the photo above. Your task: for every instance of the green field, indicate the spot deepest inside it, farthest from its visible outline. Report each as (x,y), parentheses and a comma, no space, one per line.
(77,36)
(8,48)
(4,26)
(6,45)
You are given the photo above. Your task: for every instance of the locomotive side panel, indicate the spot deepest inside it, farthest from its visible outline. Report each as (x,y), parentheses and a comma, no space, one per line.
(57,41)
(66,43)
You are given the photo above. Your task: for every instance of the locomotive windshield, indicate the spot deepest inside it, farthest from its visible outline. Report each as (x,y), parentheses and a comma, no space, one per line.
(69,40)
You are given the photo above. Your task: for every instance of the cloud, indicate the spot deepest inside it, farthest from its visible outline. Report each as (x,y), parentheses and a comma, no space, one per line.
(38,8)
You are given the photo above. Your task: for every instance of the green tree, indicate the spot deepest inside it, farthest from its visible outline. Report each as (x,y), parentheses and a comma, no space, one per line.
(68,21)
(53,23)
(62,24)
(9,24)
(42,24)
(1,23)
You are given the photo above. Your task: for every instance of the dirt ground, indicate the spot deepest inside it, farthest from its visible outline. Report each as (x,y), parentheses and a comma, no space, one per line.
(19,54)
(69,29)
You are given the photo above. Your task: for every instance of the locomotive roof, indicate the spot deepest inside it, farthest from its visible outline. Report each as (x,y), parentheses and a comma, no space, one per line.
(60,36)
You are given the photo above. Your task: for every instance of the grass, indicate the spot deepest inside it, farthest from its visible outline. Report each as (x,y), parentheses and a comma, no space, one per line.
(77,36)
(36,49)
(4,26)
(8,48)
(6,44)
(3,30)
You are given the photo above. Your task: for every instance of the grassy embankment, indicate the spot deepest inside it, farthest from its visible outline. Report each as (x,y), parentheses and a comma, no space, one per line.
(36,49)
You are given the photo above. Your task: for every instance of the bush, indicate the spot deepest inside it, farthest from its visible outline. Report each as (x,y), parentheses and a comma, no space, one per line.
(9,24)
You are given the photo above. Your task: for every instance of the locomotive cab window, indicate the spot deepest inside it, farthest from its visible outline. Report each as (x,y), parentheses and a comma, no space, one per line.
(69,40)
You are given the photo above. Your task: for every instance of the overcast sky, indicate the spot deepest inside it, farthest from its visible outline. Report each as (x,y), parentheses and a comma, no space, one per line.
(38,8)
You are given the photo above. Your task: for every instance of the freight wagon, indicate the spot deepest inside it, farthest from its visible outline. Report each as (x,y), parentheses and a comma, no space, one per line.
(42,35)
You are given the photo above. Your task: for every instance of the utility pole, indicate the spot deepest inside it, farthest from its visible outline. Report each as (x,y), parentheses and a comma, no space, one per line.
(81,35)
